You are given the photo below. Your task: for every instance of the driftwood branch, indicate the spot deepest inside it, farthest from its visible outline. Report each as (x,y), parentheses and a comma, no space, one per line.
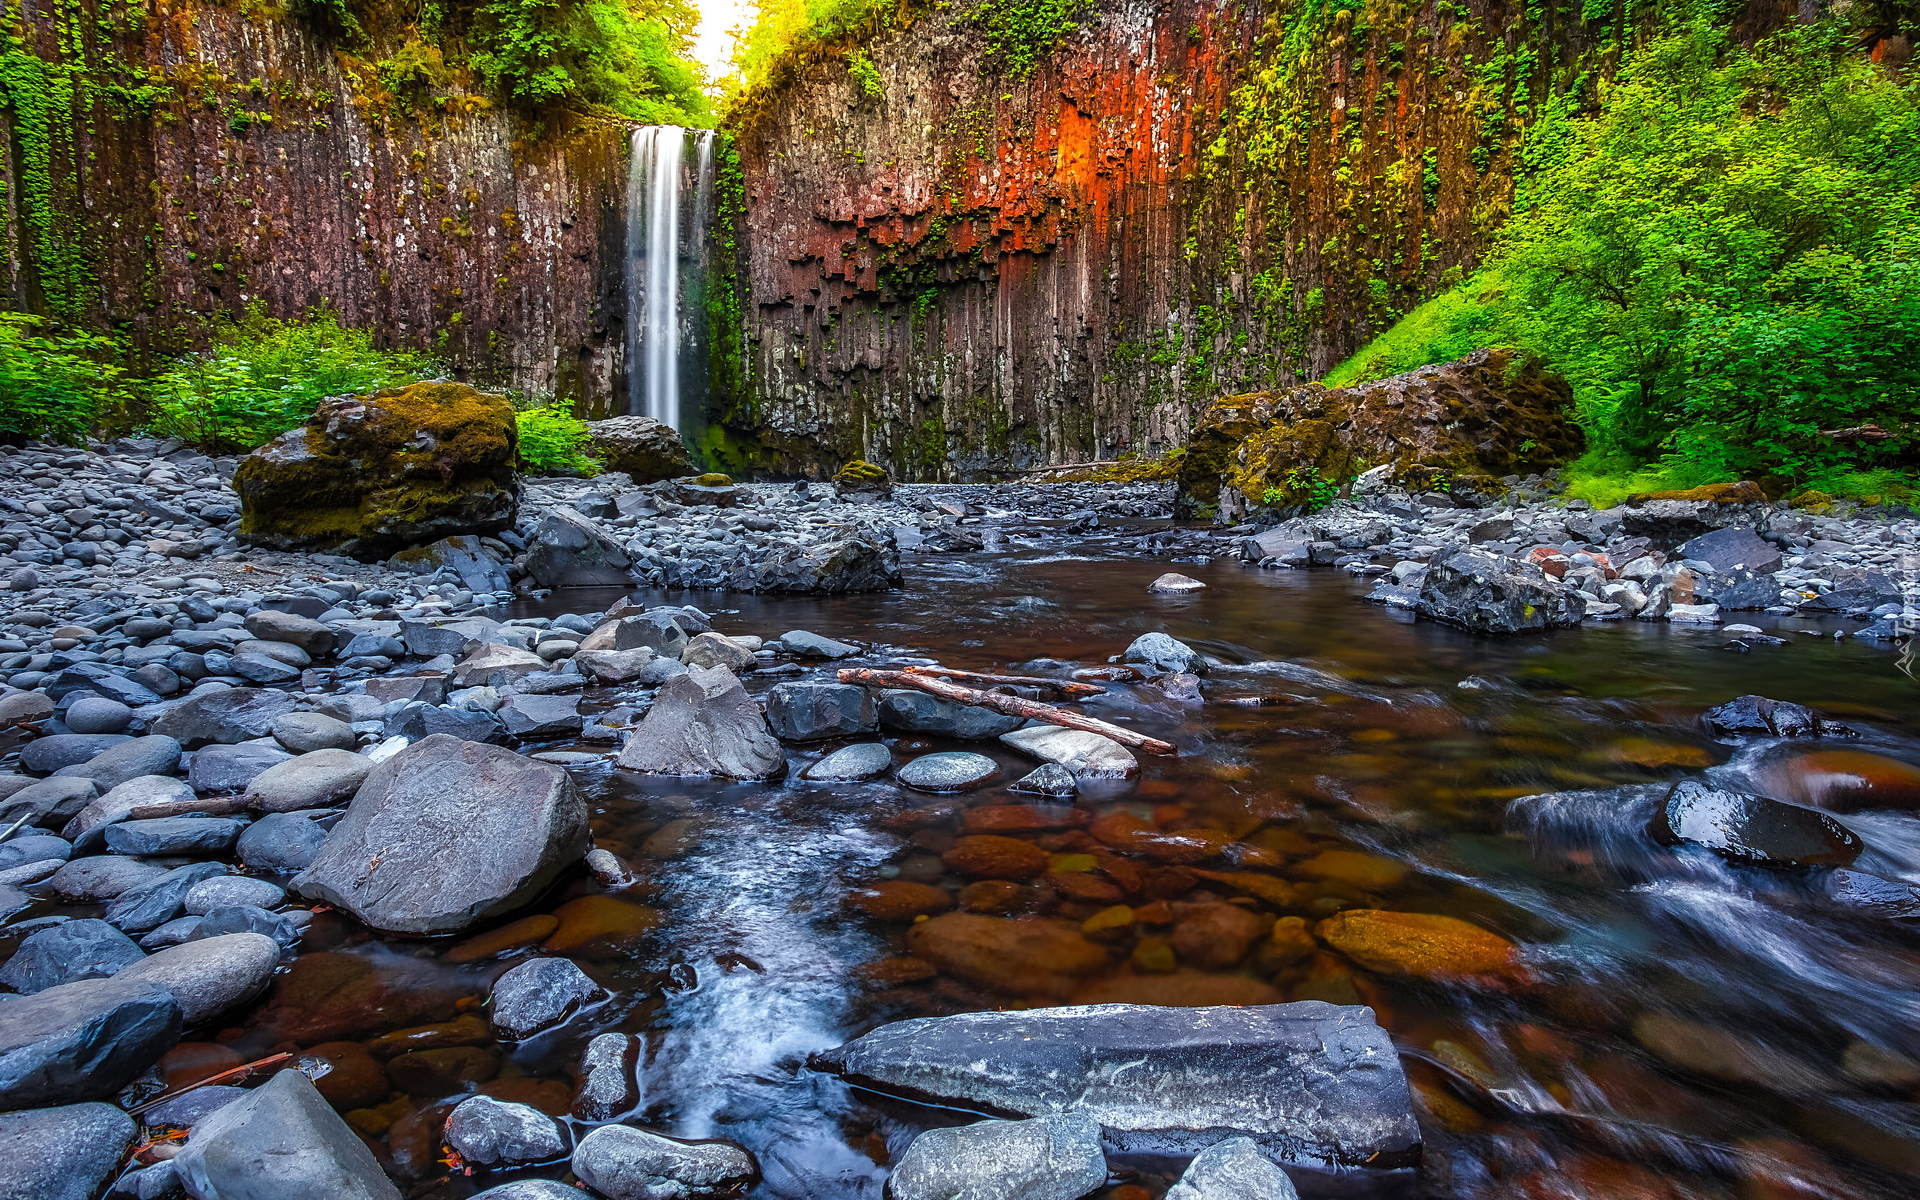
(1015,706)
(1072,691)
(220,807)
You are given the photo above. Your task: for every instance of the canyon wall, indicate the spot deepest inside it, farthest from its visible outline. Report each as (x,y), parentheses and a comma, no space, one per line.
(971,269)
(169,159)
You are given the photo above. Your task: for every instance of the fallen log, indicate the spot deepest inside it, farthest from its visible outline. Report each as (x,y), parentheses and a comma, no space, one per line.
(222,806)
(1073,691)
(1015,706)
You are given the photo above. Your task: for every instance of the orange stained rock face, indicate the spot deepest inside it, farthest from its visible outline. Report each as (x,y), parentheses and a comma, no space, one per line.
(1025,956)
(899,899)
(600,926)
(1850,780)
(1423,944)
(990,856)
(1351,866)
(525,932)
(1645,752)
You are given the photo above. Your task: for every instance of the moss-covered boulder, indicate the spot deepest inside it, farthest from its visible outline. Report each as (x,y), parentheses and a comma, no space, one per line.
(1495,412)
(369,475)
(861,482)
(641,447)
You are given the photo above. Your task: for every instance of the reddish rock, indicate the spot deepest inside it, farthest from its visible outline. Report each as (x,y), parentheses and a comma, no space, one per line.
(345,1074)
(899,900)
(1025,818)
(1015,956)
(1215,935)
(990,856)
(1849,780)
(1422,944)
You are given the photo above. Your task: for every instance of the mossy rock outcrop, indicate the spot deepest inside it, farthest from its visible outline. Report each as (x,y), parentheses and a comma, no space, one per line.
(369,475)
(1495,412)
(860,481)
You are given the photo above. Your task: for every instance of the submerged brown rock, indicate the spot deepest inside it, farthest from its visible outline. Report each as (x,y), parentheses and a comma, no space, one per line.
(1495,412)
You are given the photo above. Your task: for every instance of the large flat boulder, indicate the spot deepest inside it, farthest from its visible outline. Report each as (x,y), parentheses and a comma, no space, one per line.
(282,1142)
(568,549)
(82,1041)
(448,832)
(224,718)
(645,449)
(1309,1082)
(369,475)
(704,723)
(66,1153)
(1488,594)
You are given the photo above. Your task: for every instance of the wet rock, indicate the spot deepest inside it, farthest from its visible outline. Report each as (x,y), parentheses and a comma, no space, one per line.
(1086,755)
(32,848)
(1850,781)
(865,760)
(529,1189)
(87,829)
(1162,655)
(51,753)
(223,890)
(514,935)
(73,950)
(431,1074)
(615,666)
(82,1041)
(97,714)
(308,634)
(496,666)
(917,712)
(317,779)
(1861,892)
(1423,944)
(345,1074)
(369,475)
(282,1142)
(624,1163)
(1181,988)
(990,856)
(325,996)
(102,877)
(1753,829)
(490,1133)
(948,771)
(1216,936)
(220,769)
(608,1085)
(704,723)
(1757,716)
(479,569)
(223,718)
(1023,957)
(448,832)
(600,927)
(23,707)
(1047,1158)
(65,1153)
(713,650)
(281,841)
(1489,594)
(1175,584)
(418,722)
(902,899)
(209,977)
(802,644)
(568,549)
(1233,1170)
(174,836)
(152,904)
(1308,1082)
(644,449)
(1052,779)
(305,732)
(190,1109)
(1669,518)
(538,995)
(49,799)
(806,712)
(154,755)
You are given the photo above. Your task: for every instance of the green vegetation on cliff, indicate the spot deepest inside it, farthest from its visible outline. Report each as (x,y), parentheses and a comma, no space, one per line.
(54,385)
(1724,259)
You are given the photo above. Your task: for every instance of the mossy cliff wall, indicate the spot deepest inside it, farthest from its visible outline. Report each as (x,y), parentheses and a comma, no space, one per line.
(977,268)
(169,159)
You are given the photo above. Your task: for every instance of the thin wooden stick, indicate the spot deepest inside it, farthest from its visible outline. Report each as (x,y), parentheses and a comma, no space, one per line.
(1073,691)
(239,1072)
(1014,706)
(219,807)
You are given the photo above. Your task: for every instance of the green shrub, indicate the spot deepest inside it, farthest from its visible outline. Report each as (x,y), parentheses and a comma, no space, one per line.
(865,75)
(1724,260)
(263,376)
(553,440)
(54,385)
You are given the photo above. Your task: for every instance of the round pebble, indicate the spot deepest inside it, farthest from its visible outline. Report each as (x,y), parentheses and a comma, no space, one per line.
(867,760)
(948,771)
(224,890)
(97,714)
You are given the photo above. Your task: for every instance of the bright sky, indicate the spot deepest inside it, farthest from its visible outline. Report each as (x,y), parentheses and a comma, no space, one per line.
(713,46)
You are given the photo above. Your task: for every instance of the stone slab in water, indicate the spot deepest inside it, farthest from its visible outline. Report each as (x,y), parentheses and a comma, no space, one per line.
(1309,1082)
(865,760)
(1087,755)
(1164,655)
(624,1163)
(66,1153)
(810,711)
(948,771)
(283,1142)
(704,723)
(1048,1158)
(1488,594)
(447,832)
(1233,1170)
(82,1041)
(1753,829)
(919,712)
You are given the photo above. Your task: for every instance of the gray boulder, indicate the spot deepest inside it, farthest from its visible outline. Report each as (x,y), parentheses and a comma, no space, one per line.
(491,1132)
(1309,1082)
(803,644)
(152,904)
(918,712)
(1233,1170)
(448,832)
(1163,655)
(224,890)
(948,771)
(537,995)
(82,1040)
(73,950)
(46,755)
(529,1189)
(1488,594)
(644,449)
(570,550)
(305,732)
(532,718)
(624,1163)
(232,768)
(808,711)
(154,755)
(478,568)
(1048,1158)
(66,1153)
(102,877)
(242,918)
(862,561)
(97,714)
(317,779)
(305,632)
(209,977)
(419,722)
(704,723)
(286,841)
(1087,755)
(34,847)
(660,631)
(715,650)
(607,1083)
(87,829)
(174,836)
(864,760)
(61,796)
(234,715)
(614,666)
(283,1142)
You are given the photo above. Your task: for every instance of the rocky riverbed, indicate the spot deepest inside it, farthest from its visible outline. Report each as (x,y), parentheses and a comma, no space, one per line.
(498,862)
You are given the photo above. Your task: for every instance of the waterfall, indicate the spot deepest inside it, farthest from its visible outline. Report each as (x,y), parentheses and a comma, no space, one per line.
(668,212)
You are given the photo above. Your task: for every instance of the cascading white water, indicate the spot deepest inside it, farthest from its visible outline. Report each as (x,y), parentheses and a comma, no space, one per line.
(666,242)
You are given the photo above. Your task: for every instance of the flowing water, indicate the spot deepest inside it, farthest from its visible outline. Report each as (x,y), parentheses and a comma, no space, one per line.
(669,208)
(1679,1027)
